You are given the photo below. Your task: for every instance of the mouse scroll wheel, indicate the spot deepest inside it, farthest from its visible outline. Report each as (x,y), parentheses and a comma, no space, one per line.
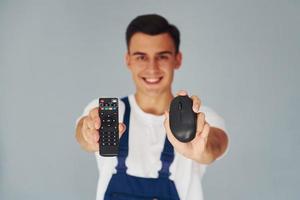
(179,106)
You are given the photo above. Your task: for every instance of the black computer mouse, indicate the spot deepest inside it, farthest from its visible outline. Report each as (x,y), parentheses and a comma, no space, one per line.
(182,118)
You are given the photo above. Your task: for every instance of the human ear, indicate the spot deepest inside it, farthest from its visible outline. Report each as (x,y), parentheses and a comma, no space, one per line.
(127,59)
(178,60)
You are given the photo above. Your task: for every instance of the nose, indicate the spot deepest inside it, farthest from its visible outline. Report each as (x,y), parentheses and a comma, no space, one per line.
(153,65)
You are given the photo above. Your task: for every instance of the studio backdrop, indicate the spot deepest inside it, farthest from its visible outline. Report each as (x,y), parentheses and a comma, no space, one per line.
(240,57)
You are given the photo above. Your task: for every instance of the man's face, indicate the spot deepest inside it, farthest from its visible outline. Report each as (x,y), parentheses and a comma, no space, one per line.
(152,61)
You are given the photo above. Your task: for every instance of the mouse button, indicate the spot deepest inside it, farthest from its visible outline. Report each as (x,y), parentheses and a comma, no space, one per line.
(179,105)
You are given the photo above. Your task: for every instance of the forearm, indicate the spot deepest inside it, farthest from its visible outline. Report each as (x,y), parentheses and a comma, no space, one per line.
(216,145)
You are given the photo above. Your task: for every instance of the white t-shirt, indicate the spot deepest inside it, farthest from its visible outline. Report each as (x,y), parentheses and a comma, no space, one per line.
(146,140)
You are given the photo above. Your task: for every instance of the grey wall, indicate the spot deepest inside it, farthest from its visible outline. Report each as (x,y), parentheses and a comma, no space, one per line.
(240,57)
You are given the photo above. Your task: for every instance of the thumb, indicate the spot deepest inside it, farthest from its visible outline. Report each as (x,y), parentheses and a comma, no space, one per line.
(122,128)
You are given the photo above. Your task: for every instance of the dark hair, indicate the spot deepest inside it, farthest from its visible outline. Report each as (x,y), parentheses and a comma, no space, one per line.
(152,24)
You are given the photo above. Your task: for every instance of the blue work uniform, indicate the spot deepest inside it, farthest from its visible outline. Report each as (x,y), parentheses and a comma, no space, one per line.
(124,187)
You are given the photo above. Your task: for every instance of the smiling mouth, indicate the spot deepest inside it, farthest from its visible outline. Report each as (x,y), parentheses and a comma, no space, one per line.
(152,80)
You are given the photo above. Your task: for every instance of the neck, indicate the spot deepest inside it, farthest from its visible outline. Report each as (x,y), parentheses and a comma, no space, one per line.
(156,104)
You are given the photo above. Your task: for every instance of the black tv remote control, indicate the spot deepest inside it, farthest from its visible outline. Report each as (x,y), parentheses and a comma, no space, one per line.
(109,130)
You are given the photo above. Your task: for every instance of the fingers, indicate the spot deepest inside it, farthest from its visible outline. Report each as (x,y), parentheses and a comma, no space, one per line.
(205,132)
(94,115)
(122,128)
(200,122)
(89,132)
(91,124)
(196,103)
(195,99)
(181,93)
(202,130)
(92,136)
(201,138)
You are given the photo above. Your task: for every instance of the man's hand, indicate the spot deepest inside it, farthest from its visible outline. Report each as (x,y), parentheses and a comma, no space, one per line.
(199,149)
(88,130)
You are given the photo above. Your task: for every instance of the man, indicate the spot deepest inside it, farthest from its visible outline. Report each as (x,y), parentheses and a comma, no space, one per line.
(151,166)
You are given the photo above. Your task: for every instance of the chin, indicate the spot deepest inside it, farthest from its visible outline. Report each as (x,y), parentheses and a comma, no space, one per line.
(154,92)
